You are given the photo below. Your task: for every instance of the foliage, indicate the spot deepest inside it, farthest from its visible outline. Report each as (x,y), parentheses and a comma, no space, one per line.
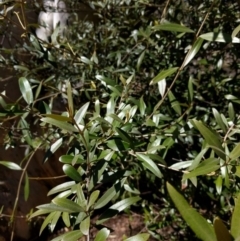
(200,226)
(147,99)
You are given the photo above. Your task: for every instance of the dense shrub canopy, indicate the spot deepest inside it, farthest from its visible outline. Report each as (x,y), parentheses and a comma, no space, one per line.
(137,93)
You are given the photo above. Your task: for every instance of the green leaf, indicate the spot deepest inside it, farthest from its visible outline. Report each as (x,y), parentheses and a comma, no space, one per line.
(235,153)
(70,236)
(211,137)
(85,225)
(140,59)
(118,145)
(26,133)
(131,190)
(193,51)
(197,223)
(163,74)
(50,207)
(69,159)
(93,197)
(46,221)
(109,195)
(139,237)
(231,112)
(54,147)
(142,106)
(181,165)
(80,194)
(100,168)
(149,164)
(124,135)
(70,98)
(106,80)
(235,31)
(218,184)
(68,204)
(54,221)
(102,235)
(60,124)
(205,167)
(173,27)
(198,159)
(190,90)
(66,219)
(125,203)
(11,165)
(26,188)
(39,213)
(219,120)
(71,172)
(174,103)
(219,37)
(221,231)
(235,222)
(81,113)
(26,90)
(61,187)
(162,87)
(58,117)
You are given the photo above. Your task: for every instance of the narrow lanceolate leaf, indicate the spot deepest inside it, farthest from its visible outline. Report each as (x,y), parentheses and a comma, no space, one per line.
(68,204)
(125,203)
(71,172)
(60,124)
(204,168)
(162,87)
(211,137)
(235,31)
(140,59)
(221,231)
(219,37)
(174,103)
(93,197)
(109,195)
(70,99)
(50,207)
(58,117)
(193,51)
(11,165)
(47,220)
(124,135)
(149,164)
(173,27)
(85,225)
(81,113)
(235,153)
(26,90)
(102,235)
(139,237)
(235,222)
(54,147)
(26,188)
(163,74)
(190,89)
(70,236)
(38,213)
(54,220)
(66,219)
(61,187)
(218,184)
(197,223)
(219,120)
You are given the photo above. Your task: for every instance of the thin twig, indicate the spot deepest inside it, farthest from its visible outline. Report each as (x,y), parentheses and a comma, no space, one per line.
(19,188)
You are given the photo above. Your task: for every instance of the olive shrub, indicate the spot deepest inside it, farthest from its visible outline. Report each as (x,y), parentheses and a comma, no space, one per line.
(147,96)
